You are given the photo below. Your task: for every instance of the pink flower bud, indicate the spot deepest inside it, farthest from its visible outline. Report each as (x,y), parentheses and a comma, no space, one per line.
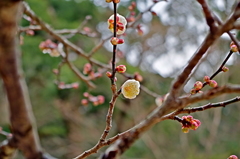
(189,118)
(225,69)
(61,85)
(121,68)
(84,102)
(75,85)
(198,122)
(87,68)
(86,94)
(138,77)
(101,99)
(114,41)
(213,83)
(198,85)
(234,48)
(194,125)
(109,74)
(206,78)
(233,157)
(30,32)
(131,19)
(120,41)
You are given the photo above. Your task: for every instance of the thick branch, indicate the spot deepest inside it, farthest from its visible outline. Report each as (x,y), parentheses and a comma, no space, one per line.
(208,15)
(25,136)
(211,37)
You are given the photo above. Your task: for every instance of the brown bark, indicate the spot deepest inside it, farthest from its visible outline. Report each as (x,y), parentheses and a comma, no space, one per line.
(24,134)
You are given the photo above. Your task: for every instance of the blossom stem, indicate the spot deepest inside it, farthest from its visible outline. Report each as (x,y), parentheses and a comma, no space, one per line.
(220,67)
(114,46)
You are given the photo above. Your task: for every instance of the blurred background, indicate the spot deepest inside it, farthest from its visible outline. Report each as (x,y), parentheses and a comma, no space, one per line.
(157,48)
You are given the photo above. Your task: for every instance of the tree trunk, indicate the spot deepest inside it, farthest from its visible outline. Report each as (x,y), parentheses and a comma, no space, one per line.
(25,137)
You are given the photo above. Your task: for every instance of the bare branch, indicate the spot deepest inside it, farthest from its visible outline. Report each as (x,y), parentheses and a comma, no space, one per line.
(58,37)
(211,37)
(201,108)
(208,15)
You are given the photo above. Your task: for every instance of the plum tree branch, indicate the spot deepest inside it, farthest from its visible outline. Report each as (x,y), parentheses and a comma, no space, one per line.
(172,102)
(60,38)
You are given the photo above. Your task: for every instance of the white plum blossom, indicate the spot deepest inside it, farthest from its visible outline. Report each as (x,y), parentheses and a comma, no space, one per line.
(130,89)
(121,24)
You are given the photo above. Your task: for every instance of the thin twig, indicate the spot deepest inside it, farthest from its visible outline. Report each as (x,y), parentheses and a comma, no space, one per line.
(201,108)
(220,68)
(76,71)
(98,46)
(102,141)
(60,38)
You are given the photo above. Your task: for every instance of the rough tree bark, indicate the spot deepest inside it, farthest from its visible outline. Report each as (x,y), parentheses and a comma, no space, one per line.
(25,137)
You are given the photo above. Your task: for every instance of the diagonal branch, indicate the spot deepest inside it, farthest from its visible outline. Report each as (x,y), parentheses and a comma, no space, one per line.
(208,15)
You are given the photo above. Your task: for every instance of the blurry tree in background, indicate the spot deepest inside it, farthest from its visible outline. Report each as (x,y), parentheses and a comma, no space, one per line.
(171,47)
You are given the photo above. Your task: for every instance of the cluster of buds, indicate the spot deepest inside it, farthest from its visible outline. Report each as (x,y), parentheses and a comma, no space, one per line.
(233,47)
(188,122)
(62,85)
(49,47)
(114,1)
(199,85)
(119,69)
(115,41)
(130,89)
(232,157)
(211,83)
(131,8)
(95,100)
(87,70)
(121,24)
